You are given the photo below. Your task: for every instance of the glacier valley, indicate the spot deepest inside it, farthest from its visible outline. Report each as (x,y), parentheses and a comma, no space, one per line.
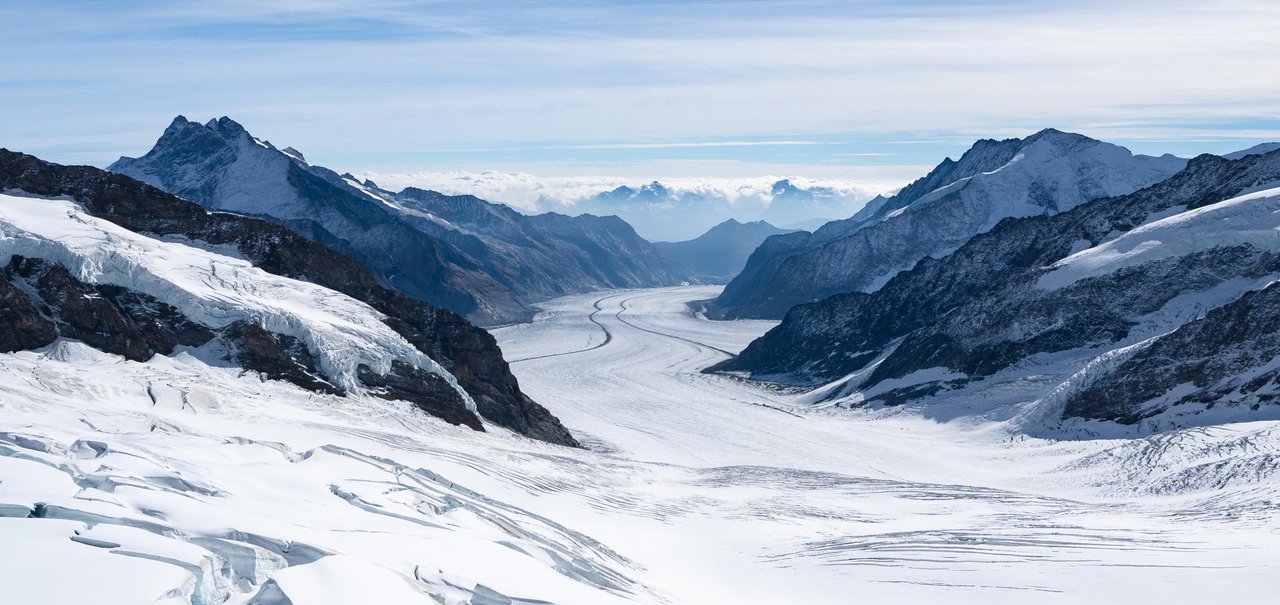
(183,480)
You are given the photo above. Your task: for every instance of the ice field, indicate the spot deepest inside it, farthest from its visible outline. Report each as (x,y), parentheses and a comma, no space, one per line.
(181,481)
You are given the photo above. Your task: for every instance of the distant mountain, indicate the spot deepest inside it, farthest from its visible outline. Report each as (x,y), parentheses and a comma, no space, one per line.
(128,269)
(479,259)
(1255,150)
(666,212)
(1156,307)
(720,253)
(1044,174)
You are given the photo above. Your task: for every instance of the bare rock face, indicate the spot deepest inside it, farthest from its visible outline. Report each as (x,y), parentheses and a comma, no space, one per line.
(108,318)
(1224,357)
(466,351)
(24,326)
(429,392)
(276,356)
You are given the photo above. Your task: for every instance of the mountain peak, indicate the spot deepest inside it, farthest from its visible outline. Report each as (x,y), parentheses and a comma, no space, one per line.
(1053,135)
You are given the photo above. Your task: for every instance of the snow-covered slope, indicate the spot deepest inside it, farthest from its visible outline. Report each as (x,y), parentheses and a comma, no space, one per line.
(174,481)
(1047,306)
(212,289)
(1252,220)
(129,269)
(1044,174)
(482,260)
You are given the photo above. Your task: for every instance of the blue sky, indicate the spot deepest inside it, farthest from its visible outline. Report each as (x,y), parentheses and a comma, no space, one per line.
(861,90)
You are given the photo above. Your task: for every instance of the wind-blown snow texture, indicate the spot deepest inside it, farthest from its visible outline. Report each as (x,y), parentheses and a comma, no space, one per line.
(482,260)
(1044,174)
(174,481)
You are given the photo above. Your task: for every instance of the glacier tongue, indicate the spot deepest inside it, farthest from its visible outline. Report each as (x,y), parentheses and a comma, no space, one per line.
(210,288)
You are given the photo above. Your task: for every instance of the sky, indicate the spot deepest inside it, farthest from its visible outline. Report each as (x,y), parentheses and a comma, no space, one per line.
(870,92)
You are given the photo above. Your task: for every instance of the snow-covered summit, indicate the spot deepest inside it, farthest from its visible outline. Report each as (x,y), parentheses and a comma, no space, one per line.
(456,252)
(1046,173)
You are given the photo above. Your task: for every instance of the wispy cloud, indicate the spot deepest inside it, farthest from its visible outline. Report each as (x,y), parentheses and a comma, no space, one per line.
(349,80)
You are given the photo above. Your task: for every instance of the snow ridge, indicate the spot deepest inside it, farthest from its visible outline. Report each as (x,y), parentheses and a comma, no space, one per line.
(212,289)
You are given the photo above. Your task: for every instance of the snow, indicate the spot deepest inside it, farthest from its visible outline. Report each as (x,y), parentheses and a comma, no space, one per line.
(1258,149)
(696,488)
(1252,219)
(209,288)
(1063,169)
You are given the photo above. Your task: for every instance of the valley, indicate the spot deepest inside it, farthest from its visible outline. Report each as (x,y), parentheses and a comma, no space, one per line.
(216,486)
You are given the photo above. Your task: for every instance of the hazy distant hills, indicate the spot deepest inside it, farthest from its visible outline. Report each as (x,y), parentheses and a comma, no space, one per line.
(720,253)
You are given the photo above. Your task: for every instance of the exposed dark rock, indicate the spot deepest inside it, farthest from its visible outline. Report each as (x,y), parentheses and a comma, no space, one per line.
(1017,319)
(468,352)
(429,392)
(276,356)
(23,326)
(108,318)
(1226,358)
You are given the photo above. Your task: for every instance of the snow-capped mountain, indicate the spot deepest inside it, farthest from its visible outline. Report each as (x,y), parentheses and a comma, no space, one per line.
(663,211)
(482,260)
(1152,305)
(720,253)
(1255,150)
(128,269)
(1044,174)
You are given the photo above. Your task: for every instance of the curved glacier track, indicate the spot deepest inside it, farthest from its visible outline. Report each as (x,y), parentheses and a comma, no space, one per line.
(608,336)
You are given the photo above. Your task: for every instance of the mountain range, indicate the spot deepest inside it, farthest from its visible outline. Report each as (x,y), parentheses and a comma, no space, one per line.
(482,260)
(123,267)
(1044,174)
(1153,308)
(671,211)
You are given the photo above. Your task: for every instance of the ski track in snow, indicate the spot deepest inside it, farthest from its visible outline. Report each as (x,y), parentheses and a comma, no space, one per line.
(175,482)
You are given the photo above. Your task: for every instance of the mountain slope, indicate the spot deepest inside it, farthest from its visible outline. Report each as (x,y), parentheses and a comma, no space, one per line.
(1044,174)
(482,260)
(239,277)
(1061,289)
(720,253)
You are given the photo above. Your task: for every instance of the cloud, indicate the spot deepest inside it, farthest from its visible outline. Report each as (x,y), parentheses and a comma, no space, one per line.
(681,208)
(545,82)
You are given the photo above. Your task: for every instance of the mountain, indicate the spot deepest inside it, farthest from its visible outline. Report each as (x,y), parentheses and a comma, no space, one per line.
(683,210)
(126,268)
(482,260)
(720,253)
(1256,149)
(1044,174)
(1152,306)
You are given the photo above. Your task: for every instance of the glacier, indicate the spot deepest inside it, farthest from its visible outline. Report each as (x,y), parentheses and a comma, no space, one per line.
(179,481)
